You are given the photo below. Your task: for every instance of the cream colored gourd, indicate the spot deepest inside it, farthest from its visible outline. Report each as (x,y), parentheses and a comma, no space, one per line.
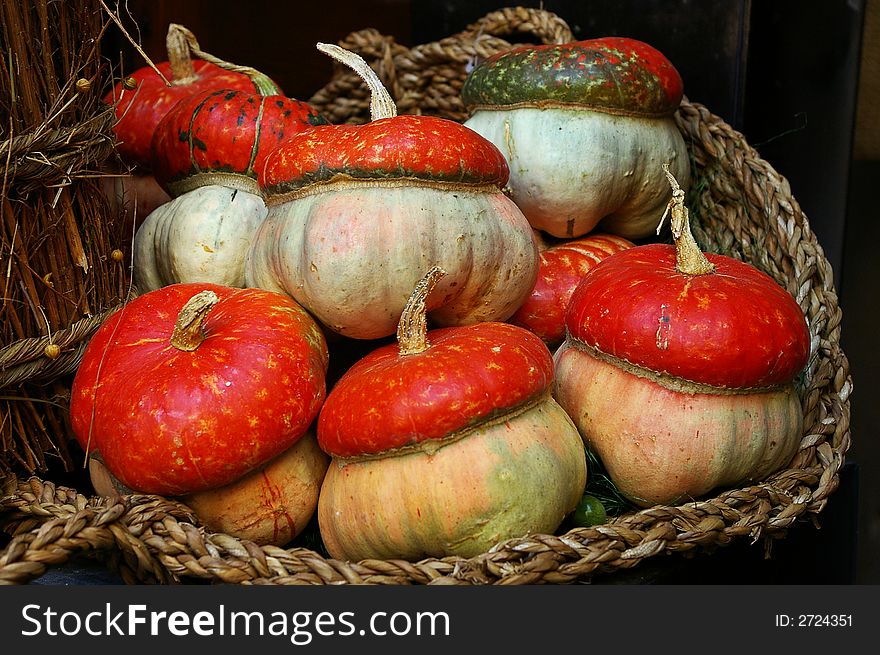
(571,170)
(201,236)
(585,128)
(357,212)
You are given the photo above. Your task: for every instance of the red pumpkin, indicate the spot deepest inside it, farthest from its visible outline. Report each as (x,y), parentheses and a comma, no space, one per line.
(446,443)
(679,369)
(562,266)
(222,136)
(191,386)
(141,101)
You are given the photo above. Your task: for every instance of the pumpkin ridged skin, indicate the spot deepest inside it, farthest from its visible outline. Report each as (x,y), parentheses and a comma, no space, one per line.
(350,253)
(417,147)
(446,445)
(573,171)
(679,368)
(271,505)
(503,479)
(171,421)
(356,210)
(611,74)
(200,236)
(224,134)
(457,382)
(139,111)
(584,127)
(562,266)
(736,328)
(662,446)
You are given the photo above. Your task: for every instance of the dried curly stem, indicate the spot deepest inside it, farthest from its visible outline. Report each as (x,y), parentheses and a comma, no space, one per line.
(412,329)
(689,259)
(381,103)
(177,44)
(181,44)
(188,333)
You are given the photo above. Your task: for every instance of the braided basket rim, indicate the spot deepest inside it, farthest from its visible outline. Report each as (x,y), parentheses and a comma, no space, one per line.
(743,208)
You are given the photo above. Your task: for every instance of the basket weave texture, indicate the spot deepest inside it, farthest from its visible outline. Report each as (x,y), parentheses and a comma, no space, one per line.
(740,207)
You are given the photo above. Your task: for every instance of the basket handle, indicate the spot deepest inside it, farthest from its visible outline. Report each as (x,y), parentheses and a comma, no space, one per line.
(484,37)
(404,71)
(52,525)
(546,26)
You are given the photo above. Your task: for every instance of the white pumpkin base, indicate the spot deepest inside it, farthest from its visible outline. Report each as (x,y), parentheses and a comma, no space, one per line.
(576,170)
(199,236)
(662,446)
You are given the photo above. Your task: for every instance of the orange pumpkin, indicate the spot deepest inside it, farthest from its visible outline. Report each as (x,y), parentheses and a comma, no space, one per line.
(446,443)
(679,368)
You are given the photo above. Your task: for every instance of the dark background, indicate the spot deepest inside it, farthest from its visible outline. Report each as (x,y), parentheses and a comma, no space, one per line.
(799,80)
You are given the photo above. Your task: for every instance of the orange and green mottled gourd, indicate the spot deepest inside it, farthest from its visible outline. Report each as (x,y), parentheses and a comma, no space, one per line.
(192,386)
(142,100)
(205,154)
(584,127)
(222,136)
(446,443)
(680,369)
(357,211)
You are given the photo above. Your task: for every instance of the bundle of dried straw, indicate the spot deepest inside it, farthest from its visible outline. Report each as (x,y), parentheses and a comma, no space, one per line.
(57,228)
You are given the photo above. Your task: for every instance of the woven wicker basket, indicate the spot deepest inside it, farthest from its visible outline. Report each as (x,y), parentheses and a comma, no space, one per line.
(740,207)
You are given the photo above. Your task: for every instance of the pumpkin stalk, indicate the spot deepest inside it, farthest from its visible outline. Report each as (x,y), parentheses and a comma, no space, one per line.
(178,43)
(188,334)
(381,103)
(412,329)
(182,44)
(689,259)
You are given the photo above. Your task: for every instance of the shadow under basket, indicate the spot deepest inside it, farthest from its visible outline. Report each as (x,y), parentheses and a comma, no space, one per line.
(739,207)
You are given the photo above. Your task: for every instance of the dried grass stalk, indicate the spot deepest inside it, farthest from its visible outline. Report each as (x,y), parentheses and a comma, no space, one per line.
(57,228)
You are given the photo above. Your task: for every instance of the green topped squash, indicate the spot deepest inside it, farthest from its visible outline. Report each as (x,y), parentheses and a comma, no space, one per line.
(585,128)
